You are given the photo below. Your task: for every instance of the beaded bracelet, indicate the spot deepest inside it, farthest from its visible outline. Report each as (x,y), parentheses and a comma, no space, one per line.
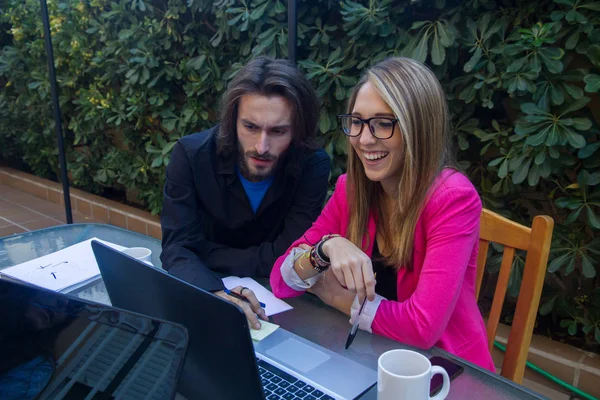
(317,262)
(318,259)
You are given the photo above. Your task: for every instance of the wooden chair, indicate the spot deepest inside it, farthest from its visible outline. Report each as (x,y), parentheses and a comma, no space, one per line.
(536,242)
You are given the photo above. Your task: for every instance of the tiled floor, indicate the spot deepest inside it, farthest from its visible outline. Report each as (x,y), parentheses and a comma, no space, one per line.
(22,212)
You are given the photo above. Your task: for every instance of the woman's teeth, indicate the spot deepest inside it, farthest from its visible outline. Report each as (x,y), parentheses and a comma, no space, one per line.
(375,156)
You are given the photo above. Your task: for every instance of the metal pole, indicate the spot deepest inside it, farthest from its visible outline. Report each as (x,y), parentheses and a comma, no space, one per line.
(57,120)
(292,30)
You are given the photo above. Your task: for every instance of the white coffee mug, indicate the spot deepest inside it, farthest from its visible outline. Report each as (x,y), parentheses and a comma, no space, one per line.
(406,375)
(139,253)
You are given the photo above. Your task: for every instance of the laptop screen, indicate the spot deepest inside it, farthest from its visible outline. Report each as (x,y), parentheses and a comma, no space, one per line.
(54,346)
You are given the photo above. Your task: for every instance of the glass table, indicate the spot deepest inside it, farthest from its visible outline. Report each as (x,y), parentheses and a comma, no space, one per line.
(310,318)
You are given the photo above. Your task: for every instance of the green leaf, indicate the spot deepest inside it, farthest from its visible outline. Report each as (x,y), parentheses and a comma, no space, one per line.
(594,179)
(572,40)
(592,83)
(169,124)
(581,124)
(417,24)
(558,262)
(438,54)
(576,140)
(521,172)
(197,62)
(420,52)
(496,161)
(597,334)
(591,6)
(468,67)
(259,11)
(279,8)
(557,15)
(531,108)
(587,267)
(553,65)
(556,95)
(235,20)
(158,161)
(565,323)
(125,34)
(503,170)
(548,306)
(446,36)
(592,219)
(573,329)
(517,65)
(540,158)
(573,91)
(324,122)
(575,105)
(535,172)
(593,52)
(537,139)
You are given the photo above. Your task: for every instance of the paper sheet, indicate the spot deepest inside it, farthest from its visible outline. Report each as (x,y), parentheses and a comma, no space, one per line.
(265,330)
(273,304)
(62,269)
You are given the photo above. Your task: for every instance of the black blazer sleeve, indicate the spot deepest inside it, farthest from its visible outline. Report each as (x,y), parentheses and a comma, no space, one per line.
(190,256)
(181,223)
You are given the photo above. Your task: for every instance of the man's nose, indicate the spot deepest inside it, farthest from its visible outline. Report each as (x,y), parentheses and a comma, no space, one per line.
(262,146)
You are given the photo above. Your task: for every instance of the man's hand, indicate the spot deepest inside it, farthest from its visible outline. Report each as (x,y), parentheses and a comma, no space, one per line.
(252,308)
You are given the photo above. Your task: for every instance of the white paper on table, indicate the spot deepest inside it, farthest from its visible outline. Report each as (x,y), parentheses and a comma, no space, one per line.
(62,269)
(273,304)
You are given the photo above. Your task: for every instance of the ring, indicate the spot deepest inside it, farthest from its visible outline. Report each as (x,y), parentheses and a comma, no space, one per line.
(242,291)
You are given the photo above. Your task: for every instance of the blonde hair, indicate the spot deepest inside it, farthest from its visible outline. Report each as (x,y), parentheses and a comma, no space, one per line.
(418,101)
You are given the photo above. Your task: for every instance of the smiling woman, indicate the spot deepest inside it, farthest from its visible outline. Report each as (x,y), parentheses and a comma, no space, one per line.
(398,214)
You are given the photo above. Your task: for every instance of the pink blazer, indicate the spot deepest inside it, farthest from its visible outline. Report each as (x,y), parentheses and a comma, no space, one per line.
(436,300)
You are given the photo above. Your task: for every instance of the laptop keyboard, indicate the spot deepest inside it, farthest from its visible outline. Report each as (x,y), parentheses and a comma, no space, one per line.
(278,384)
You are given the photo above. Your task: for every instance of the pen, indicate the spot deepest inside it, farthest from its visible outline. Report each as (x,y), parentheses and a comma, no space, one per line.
(240,297)
(354,328)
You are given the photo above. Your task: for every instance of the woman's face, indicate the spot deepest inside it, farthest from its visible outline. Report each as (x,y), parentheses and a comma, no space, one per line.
(381,158)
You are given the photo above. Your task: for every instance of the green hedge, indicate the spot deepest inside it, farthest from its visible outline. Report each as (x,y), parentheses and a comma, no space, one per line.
(135,75)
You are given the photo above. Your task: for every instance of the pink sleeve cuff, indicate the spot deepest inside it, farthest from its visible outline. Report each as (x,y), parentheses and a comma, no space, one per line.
(289,275)
(365,320)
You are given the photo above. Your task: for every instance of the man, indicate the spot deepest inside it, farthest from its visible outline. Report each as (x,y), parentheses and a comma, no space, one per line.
(237,195)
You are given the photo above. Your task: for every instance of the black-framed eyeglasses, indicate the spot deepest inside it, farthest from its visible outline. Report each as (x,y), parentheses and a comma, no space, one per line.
(380,127)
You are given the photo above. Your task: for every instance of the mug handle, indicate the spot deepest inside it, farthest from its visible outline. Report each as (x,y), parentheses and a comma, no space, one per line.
(436,369)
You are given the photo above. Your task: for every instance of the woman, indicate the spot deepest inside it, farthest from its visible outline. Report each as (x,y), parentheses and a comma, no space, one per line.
(402,227)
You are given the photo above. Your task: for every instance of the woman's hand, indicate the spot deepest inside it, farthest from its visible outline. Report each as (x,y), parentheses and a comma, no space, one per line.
(351,266)
(329,290)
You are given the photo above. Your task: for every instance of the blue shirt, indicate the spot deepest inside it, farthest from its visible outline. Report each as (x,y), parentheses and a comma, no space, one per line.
(255,190)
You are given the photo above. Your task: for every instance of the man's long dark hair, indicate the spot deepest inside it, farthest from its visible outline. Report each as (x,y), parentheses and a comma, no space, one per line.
(270,77)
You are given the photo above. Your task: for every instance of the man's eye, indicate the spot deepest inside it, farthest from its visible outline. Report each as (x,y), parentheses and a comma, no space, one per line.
(278,132)
(250,127)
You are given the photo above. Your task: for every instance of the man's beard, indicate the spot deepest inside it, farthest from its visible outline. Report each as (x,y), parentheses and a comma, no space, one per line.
(256,174)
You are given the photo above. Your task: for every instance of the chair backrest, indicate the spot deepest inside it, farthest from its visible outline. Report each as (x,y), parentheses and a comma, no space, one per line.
(536,242)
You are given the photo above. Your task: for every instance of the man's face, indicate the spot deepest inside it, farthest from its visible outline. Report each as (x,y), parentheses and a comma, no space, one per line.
(264,130)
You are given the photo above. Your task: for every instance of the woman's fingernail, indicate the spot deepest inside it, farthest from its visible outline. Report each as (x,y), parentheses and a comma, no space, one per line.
(257,325)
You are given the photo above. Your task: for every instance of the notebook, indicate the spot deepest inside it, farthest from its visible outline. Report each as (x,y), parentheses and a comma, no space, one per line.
(273,304)
(62,271)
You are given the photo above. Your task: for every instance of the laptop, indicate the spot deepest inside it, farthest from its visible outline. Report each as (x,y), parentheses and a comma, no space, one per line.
(53,346)
(222,362)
